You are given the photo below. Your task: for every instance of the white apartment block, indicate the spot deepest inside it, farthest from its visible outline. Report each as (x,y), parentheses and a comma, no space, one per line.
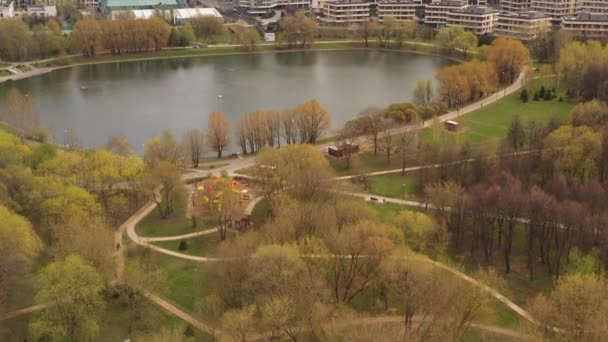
(400,9)
(260,6)
(515,5)
(595,6)
(7,9)
(479,20)
(436,13)
(345,12)
(88,3)
(557,8)
(524,26)
(590,25)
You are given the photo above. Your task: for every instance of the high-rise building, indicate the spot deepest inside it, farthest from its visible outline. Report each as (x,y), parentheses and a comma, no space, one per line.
(556,9)
(477,19)
(400,9)
(524,26)
(515,5)
(345,12)
(436,13)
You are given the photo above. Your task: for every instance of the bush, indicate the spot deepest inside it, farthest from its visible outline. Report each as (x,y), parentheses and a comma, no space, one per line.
(183,245)
(541,92)
(536,97)
(524,96)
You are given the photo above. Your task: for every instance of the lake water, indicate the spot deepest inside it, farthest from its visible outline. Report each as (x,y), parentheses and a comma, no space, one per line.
(140,99)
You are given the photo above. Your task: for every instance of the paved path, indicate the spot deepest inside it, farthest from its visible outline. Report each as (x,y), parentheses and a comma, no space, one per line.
(179,237)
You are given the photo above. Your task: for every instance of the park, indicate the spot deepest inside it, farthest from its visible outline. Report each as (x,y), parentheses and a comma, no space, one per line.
(353,192)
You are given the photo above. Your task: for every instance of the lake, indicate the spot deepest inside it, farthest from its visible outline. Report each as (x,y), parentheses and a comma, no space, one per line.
(140,99)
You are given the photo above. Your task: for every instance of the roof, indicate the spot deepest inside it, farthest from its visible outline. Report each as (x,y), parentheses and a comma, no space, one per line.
(187,13)
(136,3)
(588,16)
(453,3)
(397,2)
(5,3)
(525,15)
(476,10)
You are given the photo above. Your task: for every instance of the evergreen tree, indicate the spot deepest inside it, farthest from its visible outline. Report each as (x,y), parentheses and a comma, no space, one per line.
(524,96)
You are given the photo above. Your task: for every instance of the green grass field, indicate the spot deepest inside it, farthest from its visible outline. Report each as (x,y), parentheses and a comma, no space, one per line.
(177,224)
(5,73)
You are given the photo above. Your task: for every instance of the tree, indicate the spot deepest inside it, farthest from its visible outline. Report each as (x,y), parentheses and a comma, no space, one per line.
(312,120)
(87,237)
(139,278)
(86,37)
(386,31)
(573,152)
(408,139)
(465,42)
(16,42)
(423,93)
(591,113)
(211,309)
(218,132)
(298,28)
(516,136)
(361,248)
(388,142)
(524,96)
(19,246)
(166,176)
(300,170)
(223,204)
(163,149)
(247,37)
(345,141)
(119,144)
(577,306)
(367,29)
(75,289)
(206,27)
(195,140)
(509,56)
(240,323)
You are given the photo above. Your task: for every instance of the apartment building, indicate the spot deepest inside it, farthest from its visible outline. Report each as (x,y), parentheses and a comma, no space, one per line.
(436,13)
(590,25)
(259,6)
(595,6)
(400,9)
(7,9)
(556,9)
(345,12)
(524,26)
(515,5)
(477,19)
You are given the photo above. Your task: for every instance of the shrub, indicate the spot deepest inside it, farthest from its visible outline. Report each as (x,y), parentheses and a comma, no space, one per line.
(524,96)
(183,245)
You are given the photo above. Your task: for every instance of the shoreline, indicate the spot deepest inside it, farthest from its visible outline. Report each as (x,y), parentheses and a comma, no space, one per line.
(209,52)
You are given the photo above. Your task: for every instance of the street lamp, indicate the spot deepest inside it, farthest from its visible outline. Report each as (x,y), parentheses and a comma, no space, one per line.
(403,185)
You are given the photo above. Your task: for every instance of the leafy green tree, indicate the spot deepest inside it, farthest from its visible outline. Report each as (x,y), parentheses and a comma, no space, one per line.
(206,27)
(19,246)
(164,148)
(74,288)
(573,152)
(171,191)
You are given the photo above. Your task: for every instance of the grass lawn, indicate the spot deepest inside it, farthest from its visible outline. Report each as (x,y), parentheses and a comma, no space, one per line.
(23,68)
(393,185)
(5,73)
(485,127)
(178,224)
(489,124)
(204,245)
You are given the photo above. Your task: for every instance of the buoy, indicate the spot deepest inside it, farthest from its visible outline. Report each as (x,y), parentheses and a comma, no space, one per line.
(220,96)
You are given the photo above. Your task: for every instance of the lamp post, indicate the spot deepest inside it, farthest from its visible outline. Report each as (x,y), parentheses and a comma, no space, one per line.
(403,185)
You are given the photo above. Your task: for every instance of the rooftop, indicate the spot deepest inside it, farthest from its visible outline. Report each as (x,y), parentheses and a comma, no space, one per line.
(136,3)
(525,15)
(477,10)
(588,16)
(453,3)
(401,2)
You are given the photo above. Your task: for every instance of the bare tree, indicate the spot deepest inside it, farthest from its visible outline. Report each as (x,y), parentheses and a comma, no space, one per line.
(195,140)
(408,139)
(218,132)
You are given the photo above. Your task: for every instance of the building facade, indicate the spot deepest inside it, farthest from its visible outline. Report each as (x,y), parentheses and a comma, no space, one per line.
(590,25)
(345,12)
(524,26)
(515,5)
(595,6)
(477,19)
(436,13)
(259,6)
(556,9)
(401,10)
(7,9)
